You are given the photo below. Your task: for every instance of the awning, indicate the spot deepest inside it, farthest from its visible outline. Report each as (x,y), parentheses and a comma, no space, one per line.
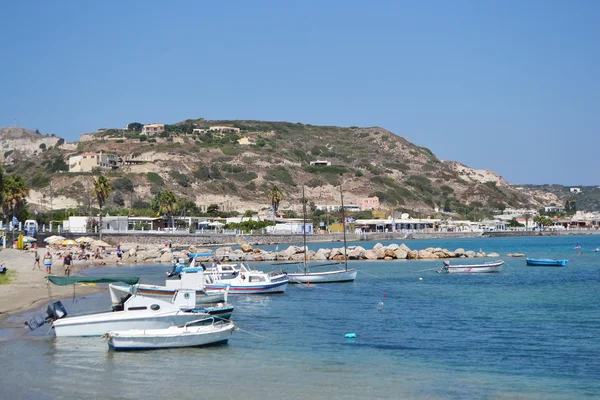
(69,280)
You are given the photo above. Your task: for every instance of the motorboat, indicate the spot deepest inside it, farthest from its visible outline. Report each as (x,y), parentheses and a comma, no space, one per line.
(487,267)
(545,262)
(183,278)
(307,276)
(192,334)
(241,279)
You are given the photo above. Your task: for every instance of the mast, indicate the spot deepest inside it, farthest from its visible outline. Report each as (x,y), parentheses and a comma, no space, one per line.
(304,226)
(343,224)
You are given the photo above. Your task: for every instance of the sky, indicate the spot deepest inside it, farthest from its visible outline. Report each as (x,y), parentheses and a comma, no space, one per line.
(512,86)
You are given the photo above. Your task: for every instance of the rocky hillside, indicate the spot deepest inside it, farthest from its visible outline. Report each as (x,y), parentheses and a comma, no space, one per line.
(19,143)
(587,199)
(208,167)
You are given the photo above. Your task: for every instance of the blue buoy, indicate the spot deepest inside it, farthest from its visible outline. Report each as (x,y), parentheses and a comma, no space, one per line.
(350,335)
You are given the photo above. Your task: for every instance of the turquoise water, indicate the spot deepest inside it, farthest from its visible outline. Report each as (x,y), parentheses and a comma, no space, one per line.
(526,333)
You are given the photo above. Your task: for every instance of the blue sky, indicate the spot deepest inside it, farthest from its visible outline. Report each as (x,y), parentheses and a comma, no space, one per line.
(511,86)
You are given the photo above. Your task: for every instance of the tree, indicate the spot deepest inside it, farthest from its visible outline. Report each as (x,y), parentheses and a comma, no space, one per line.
(513,223)
(527,217)
(571,205)
(248,213)
(275,196)
(165,203)
(14,193)
(101,190)
(212,210)
(135,126)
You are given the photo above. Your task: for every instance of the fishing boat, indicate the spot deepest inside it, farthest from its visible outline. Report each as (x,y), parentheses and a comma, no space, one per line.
(487,267)
(134,312)
(192,334)
(545,262)
(241,279)
(183,278)
(332,276)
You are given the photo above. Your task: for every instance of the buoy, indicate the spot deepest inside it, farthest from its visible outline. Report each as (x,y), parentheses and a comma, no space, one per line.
(350,335)
(380,306)
(420,278)
(384,294)
(308,283)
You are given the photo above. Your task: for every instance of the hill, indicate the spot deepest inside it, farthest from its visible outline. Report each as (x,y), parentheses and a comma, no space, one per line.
(587,199)
(211,167)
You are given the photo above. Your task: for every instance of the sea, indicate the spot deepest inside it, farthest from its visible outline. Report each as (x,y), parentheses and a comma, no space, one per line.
(524,333)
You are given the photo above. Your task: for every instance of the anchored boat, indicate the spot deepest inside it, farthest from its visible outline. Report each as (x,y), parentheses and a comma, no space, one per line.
(490,266)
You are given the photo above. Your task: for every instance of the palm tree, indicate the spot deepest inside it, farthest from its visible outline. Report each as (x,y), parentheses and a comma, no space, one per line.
(275,195)
(527,217)
(166,204)
(14,192)
(102,190)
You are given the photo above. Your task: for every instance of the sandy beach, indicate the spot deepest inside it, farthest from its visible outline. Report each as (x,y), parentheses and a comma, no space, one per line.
(29,288)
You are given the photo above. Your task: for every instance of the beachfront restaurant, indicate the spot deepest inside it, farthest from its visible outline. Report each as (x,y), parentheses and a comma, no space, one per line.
(395,225)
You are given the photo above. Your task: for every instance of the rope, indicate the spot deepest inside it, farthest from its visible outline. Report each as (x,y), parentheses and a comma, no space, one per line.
(256,334)
(423,270)
(374,276)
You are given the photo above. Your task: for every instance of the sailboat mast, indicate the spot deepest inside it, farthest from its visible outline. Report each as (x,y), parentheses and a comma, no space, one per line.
(304,225)
(343,224)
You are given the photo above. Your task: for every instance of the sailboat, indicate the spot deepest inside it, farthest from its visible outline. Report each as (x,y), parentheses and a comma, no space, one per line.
(332,276)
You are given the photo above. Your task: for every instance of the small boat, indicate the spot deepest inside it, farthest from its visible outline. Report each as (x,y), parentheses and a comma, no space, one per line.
(545,262)
(192,334)
(331,276)
(243,280)
(487,267)
(186,278)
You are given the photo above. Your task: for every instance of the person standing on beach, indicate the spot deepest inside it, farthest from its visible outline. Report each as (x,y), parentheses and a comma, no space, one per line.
(67,261)
(119,253)
(37,261)
(48,262)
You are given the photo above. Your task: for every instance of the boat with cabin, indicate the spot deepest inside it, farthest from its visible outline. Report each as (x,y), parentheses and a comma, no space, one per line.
(241,279)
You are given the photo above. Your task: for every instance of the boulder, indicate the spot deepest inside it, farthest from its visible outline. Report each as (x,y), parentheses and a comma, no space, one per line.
(393,246)
(356,253)
(166,257)
(388,257)
(370,255)
(404,247)
(257,251)
(380,251)
(223,251)
(401,254)
(413,255)
(389,253)
(493,254)
(377,246)
(246,247)
(459,252)
(481,254)
(425,254)
(322,254)
(470,254)
(515,255)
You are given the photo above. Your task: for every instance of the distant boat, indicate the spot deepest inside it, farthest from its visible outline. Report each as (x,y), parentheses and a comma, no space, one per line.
(545,262)
(331,276)
(487,267)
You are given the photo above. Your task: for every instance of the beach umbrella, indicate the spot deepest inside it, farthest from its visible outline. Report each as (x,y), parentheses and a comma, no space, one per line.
(29,239)
(100,243)
(68,242)
(54,238)
(216,223)
(84,239)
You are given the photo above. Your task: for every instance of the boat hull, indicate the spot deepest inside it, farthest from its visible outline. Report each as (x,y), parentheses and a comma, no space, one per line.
(492,267)
(545,262)
(172,337)
(323,277)
(98,324)
(161,292)
(275,287)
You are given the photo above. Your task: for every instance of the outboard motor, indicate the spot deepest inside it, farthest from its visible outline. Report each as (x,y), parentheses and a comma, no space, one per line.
(55,311)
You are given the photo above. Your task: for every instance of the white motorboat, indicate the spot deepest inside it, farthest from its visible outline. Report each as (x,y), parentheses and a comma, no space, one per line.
(243,280)
(490,266)
(141,312)
(192,334)
(186,278)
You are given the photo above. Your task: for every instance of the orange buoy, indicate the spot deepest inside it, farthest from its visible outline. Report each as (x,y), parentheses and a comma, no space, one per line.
(308,283)
(384,295)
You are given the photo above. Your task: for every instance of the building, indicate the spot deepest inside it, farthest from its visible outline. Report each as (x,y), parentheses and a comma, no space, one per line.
(247,141)
(575,190)
(88,161)
(224,129)
(321,163)
(551,209)
(369,203)
(337,207)
(153,129)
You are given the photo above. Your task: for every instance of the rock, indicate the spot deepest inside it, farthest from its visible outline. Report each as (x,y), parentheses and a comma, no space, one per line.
(166,257)
(380,251)
(356,253)
(257,251)
(401,254)
(413,255)
(377,246)
(246,248)
(389,253)
(405,248)
(388,257)
(493,254)
(515,255)
(481,254)
(470,254)
(459,252)
(322,254)
(425,254)
(223,251)
(370,255)
(393,247)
